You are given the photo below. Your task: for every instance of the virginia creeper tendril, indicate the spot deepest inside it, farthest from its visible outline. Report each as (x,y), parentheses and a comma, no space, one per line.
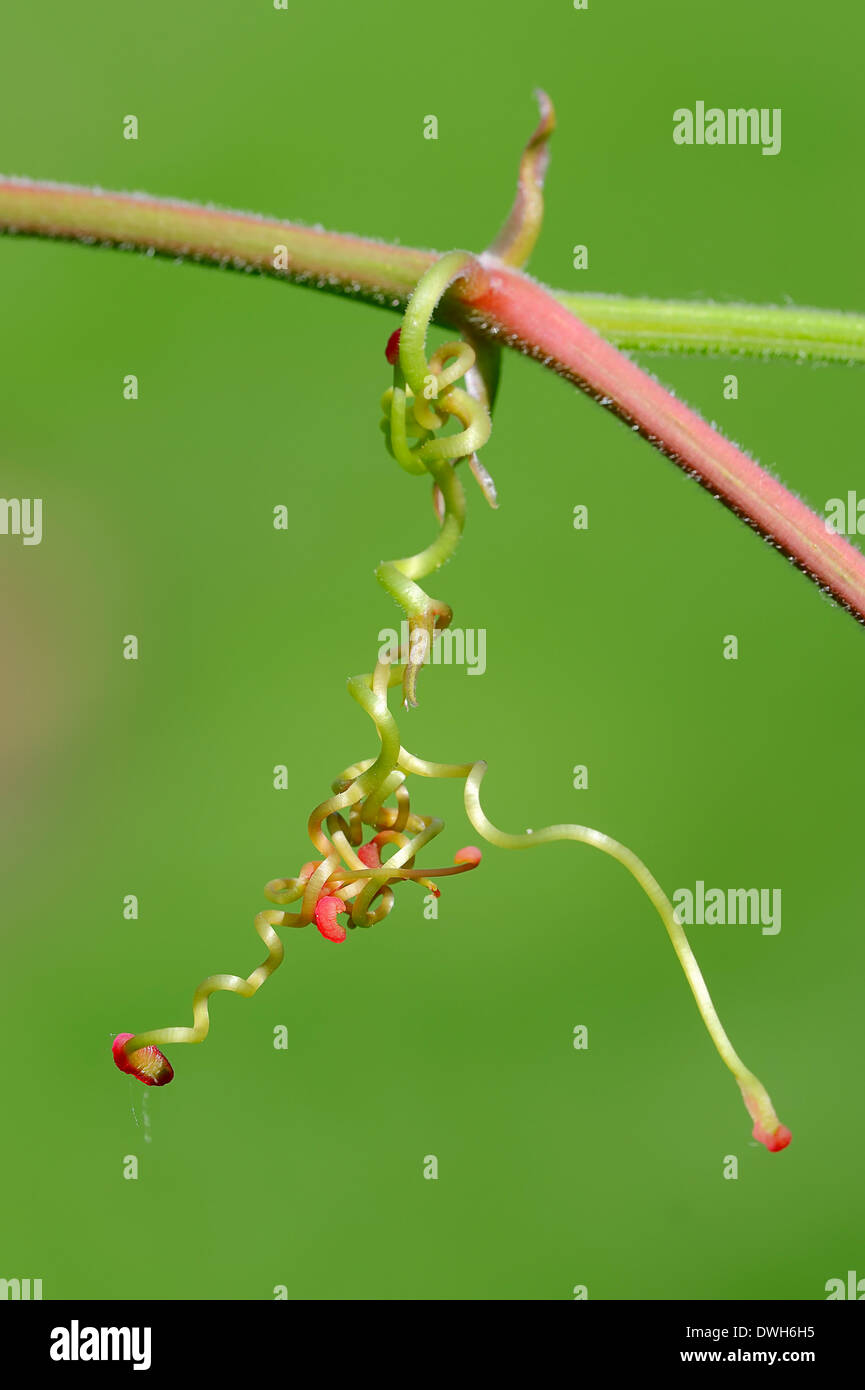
(351,879)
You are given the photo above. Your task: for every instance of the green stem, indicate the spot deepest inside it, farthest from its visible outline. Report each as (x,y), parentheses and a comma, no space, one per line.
(657,325)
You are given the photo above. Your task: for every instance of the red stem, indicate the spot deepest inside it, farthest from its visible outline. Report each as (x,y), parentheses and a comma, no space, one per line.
(526,316)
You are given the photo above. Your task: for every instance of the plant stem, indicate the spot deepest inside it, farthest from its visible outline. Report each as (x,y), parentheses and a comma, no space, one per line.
(383,274)
(500,304)
(655,325)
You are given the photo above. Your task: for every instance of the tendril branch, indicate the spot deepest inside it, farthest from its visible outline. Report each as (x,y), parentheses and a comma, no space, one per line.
(499,305)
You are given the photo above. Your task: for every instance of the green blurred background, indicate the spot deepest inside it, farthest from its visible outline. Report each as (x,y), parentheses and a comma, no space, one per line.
(304,1167)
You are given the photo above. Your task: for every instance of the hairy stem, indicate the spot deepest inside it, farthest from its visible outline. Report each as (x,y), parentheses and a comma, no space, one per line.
(657,325)
(500,304)
(379,273)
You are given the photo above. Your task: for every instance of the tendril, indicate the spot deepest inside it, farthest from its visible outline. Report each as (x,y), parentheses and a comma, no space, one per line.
(423,397)
(352,879)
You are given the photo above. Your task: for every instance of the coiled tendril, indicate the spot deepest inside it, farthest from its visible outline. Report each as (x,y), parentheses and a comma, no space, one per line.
(410,416)
(351,879)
